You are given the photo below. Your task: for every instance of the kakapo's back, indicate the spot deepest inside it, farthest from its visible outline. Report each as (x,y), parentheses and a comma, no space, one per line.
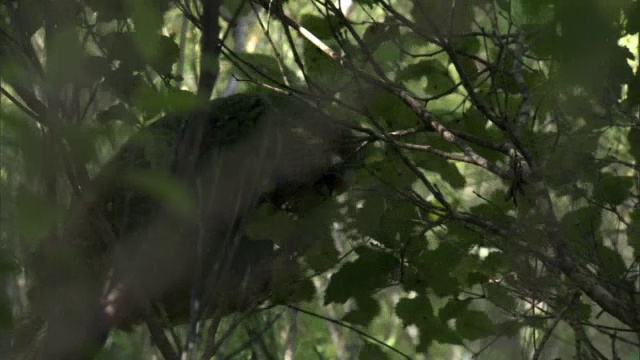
(253,146)
(283,133)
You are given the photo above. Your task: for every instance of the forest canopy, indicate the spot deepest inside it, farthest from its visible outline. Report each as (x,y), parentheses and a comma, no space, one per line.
(373,179)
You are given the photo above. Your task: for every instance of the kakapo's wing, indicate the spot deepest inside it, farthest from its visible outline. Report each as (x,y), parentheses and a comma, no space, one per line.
(116,227)
(252,145)
(124,189)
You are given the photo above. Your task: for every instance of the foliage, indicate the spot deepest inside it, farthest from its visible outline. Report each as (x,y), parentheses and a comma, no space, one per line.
(495,194)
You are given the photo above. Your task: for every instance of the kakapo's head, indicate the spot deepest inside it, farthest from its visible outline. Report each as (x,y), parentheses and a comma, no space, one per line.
(305,149)
(254,146)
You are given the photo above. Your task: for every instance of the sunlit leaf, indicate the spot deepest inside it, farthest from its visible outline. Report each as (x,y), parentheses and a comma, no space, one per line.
(387,54)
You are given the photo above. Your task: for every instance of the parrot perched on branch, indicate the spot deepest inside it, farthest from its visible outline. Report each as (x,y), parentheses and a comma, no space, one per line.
(142,234)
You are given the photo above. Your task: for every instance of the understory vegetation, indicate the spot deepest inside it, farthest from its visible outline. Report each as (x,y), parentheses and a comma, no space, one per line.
(316,179)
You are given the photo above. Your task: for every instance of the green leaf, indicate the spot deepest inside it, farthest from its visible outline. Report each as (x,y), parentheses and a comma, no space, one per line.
(580,311)
(6,316)
(633,16)
(542,37)
(433,268)
(181,101)
(269,223)
(634,138)
(367,309)
(233,5)
(387,55)
(419,311)
(468,45)
(437,84)
(8,264)
(633,93)
(147,16)
(463,235)
(497,262)
(320,26)
(163,54)
(447,170)
(504,5)
(368,3)
(474,122)
(19,132)
(581,224)
(576,148)
(391,111)
(449,107)
(372,351)
(476,277)
(371,271)
(146,98)
(313,233)
(397,223)
(509,328)
(368,216)
(421,69)
(377,33)
(323,255)
(262,68)
(467,67)
(453,308)
(290,290)
(613,190)
(474,325)
(128,87)
(436,74)
(611,263)
(390,222)
(122,47)
(501,297)
(393,172)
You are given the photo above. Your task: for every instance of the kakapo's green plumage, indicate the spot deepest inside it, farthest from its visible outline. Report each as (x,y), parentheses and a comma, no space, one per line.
(255,147)
(228,119)
(252,145)
(280,123)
